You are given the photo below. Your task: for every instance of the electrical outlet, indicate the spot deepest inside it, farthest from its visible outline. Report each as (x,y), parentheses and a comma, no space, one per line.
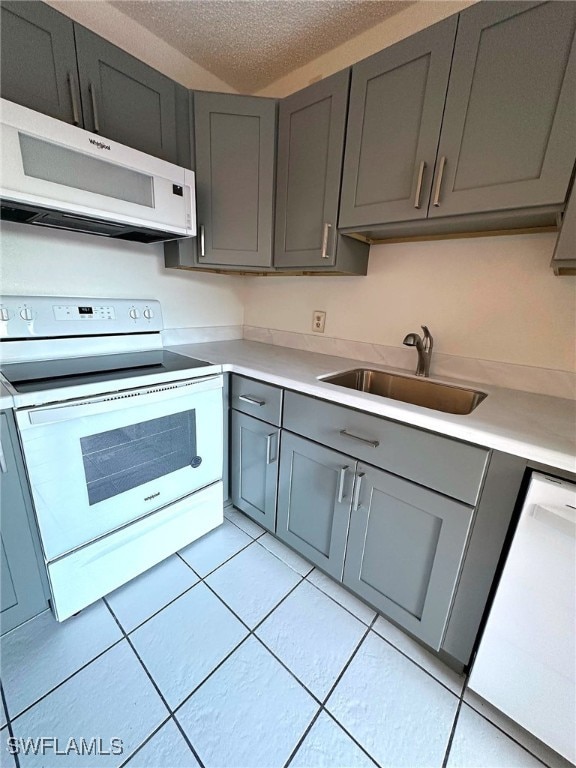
(318,321)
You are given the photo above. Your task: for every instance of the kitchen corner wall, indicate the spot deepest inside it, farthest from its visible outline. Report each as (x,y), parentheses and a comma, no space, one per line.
(486,298)
(52,263)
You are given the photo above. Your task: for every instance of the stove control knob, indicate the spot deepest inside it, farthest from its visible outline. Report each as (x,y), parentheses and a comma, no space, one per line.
(148,314)
(134,314)
(4,315)
(26,314)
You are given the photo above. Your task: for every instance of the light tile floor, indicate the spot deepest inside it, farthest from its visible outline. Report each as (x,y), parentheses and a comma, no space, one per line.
(236,653)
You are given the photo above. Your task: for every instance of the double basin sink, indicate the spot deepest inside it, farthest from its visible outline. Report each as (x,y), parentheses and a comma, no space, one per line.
(448,398)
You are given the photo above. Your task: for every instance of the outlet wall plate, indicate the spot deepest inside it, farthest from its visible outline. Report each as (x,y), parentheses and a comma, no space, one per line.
(318,321)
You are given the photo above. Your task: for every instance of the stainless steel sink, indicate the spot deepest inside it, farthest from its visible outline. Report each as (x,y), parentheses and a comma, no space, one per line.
(418,391)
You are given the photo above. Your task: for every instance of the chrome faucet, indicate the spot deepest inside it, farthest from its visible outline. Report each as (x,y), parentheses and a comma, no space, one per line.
(424,349)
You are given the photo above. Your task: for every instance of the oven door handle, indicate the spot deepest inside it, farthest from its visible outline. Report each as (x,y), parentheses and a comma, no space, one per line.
(120,401)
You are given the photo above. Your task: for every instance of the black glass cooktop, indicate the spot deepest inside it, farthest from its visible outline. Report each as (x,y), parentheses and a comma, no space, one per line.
(69,372)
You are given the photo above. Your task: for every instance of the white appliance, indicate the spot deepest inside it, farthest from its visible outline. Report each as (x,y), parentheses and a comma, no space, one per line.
(122,439)
(58,175)
(526,661)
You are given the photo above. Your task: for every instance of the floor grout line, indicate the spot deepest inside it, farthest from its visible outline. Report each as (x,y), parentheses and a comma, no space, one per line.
(366,623)
(8,722)
(158,691)
(146,740)
(66,679)
(451,736)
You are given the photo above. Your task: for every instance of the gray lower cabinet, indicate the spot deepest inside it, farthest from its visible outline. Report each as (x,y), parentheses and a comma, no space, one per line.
(508,135)
(254,468)
(396,103)
(124,99)
(235,170)
(314,501)
(311,130)
(38,60)
(405,549)
(22,593)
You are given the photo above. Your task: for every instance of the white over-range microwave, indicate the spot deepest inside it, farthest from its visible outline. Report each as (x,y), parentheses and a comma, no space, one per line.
(57,175)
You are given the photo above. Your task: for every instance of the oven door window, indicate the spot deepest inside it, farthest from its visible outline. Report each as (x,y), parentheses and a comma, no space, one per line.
(119,460)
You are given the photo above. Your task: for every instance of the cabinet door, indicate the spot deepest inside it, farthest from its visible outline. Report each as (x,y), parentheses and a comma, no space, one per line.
(396,102)
(314,498)
(235,150)
(124,99)
(38,60)
(254,468)
(509,130)
(405,548)
(22,594)
(311,127)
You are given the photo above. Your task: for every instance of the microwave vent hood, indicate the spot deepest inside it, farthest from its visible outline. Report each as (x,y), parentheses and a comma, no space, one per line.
(60,176)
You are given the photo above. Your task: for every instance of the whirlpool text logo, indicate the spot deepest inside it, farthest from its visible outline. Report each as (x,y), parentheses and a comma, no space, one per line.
(52,745)
(100,144)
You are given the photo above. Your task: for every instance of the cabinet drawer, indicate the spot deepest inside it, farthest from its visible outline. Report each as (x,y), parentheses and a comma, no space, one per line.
(263,401)
(446,465)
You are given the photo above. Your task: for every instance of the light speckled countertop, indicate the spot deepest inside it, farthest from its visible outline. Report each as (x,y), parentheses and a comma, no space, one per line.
(537,427)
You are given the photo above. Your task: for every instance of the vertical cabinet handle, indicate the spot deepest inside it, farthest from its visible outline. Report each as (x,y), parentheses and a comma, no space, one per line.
(418,194)
(341,479)
(436,201)
(94,108)
(75,112)
(202,241)
(3,465)
(269,458)
(357,486)
(325,236)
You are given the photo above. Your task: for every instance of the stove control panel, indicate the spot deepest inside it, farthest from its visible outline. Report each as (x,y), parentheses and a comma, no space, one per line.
(23,317)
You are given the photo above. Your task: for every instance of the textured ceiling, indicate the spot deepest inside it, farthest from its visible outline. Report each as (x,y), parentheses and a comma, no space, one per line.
(251,43)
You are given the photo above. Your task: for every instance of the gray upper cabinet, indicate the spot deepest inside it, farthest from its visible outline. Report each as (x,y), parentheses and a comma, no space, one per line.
(235,164)
(508,135)
(314,501)
(405,549)
(396,103)
(38,60)
(311,131)
(22,591)
(124,99)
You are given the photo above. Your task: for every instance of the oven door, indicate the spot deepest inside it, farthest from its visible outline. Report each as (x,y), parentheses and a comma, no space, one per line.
(95,465)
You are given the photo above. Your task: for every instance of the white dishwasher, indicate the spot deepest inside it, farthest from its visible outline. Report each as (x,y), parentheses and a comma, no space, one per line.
(526,661)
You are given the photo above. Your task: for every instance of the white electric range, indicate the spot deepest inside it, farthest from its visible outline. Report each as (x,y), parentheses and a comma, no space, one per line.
(122,439)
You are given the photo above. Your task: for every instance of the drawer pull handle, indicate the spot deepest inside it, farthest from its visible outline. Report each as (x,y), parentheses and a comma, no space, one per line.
(341,480)
(325,236)
(356,501)
(269,458)
(439,182)
(94,108)
(251,400)
(419,184)
(371,443)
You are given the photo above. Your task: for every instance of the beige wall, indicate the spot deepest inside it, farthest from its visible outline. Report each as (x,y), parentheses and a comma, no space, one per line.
(113,25)
(397,27)
(51,263)
(489,298)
